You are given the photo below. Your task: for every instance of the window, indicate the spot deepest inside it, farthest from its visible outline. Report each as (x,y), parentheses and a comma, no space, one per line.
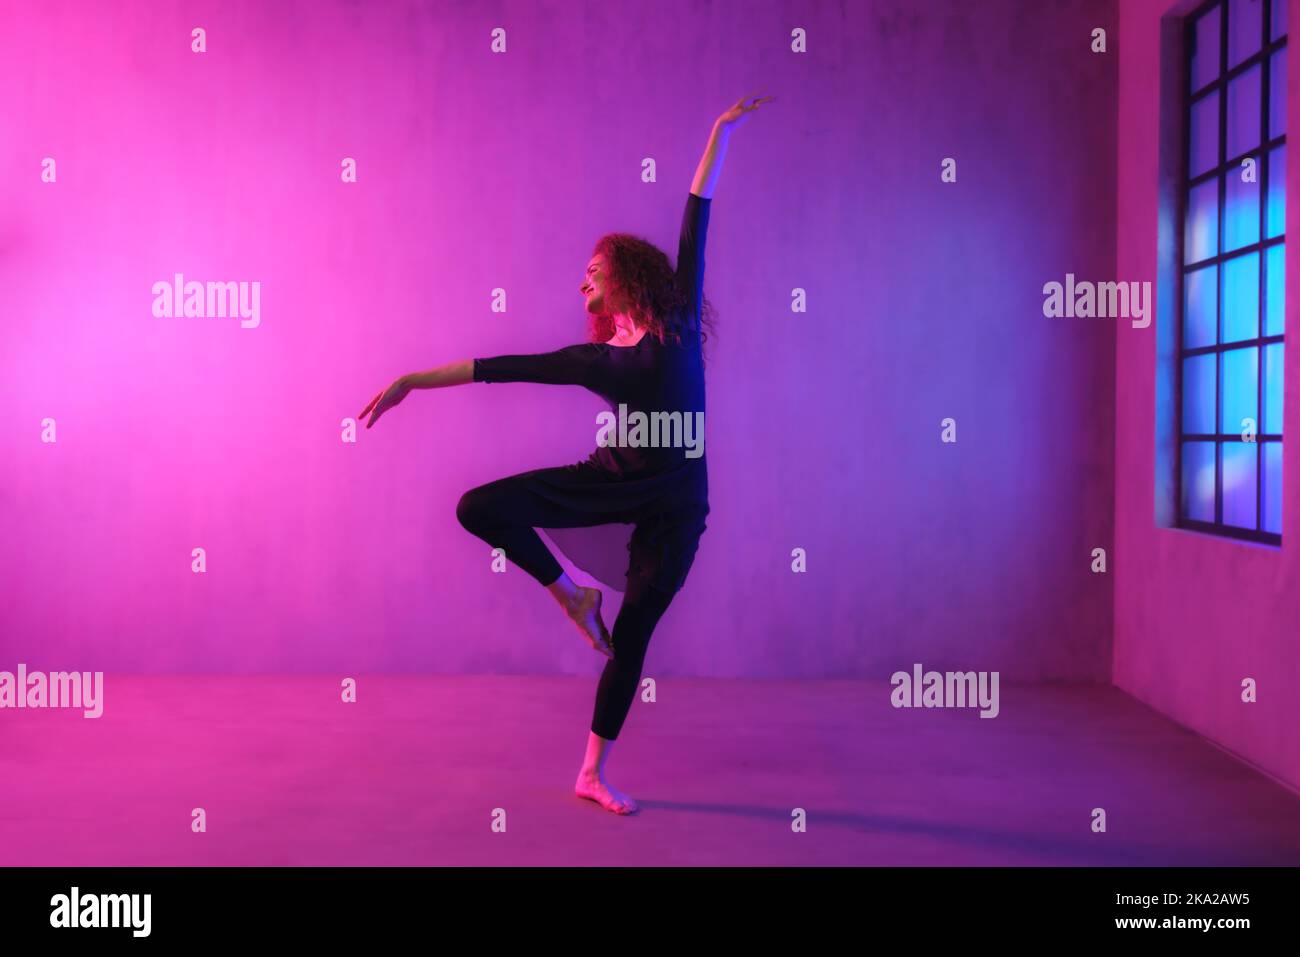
(1234,199)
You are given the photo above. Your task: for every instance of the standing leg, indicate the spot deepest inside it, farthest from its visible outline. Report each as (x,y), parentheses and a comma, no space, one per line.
(618,682)
(642,608)
(660,561)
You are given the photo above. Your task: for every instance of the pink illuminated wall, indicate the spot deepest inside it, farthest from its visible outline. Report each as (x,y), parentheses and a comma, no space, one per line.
(1196,614)
(479,171)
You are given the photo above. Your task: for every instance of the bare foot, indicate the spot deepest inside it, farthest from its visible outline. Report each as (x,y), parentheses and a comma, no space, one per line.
(585,613)
(591,787)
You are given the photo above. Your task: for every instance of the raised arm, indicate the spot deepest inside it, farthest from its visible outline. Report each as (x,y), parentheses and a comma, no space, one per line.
(715,151)
(695,218)
(690,253)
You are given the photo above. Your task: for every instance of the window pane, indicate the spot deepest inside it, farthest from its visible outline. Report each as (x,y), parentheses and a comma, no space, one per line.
(1243,112)
(1241,217)
(1274,290)
(1198,481)
(1276,192)
(1203,140)
(1240,389)
(1245,29)
(1277,94)
(1241,298)
(1198,395)
(1240,460)
(1273,487)
(1201,231)
(1279,19)
(1272,418)
(1200,306)
(1205,50)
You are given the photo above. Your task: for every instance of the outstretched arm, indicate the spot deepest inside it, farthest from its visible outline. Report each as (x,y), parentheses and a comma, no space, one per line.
(459,372)
(710,168)
(567,366)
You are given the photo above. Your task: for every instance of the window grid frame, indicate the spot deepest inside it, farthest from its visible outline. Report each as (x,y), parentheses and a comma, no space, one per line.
(1218,439)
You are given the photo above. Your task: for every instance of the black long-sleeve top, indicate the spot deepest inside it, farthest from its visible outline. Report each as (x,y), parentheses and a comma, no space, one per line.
(649,377)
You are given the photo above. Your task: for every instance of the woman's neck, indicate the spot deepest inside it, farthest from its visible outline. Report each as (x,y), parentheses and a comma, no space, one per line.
(626,334)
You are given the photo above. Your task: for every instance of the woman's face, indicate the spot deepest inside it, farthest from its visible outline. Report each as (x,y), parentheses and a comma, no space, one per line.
(597,288)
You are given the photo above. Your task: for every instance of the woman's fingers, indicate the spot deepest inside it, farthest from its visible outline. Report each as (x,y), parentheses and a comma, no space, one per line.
(377,406)
(740,112)
(390,397)
(369,405)
(385,400)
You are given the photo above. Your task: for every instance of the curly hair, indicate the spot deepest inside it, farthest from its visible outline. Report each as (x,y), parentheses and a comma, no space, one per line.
(640,272)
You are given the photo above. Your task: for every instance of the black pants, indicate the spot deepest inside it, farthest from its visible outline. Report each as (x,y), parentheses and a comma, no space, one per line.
(505,513)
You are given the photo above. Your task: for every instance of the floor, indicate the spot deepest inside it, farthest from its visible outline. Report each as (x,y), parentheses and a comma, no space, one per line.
(287,774)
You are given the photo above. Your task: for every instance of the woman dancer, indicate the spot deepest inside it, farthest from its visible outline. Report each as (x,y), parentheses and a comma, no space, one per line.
(647,328)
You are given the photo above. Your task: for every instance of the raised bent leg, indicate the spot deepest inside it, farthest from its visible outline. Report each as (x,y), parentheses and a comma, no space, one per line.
(505,513)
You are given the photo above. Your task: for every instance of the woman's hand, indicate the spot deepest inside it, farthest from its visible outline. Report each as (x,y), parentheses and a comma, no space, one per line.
(735,117)
(706,174)
(385,400)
